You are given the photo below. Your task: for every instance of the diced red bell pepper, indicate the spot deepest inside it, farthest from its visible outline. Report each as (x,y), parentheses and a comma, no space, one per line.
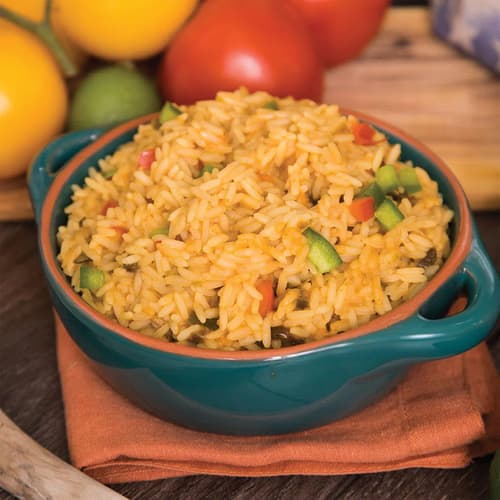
(265,288)
(109,204)
(363,134)
(121,230)
(363,208)
(146,158)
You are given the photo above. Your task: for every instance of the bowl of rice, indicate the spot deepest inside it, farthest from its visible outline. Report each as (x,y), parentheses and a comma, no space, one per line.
(255,265)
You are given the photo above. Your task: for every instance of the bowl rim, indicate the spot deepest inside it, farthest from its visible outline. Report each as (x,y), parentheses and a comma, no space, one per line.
(404,311)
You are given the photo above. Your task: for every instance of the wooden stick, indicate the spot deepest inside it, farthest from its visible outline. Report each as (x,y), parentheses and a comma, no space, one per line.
(27,470)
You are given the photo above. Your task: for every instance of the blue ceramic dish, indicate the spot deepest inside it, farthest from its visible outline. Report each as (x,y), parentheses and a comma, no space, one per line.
(270,391)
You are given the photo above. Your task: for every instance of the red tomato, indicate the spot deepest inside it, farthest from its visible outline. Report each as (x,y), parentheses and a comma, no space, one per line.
(363,209)
(363,134)
(107,205)
(146,158)
(121,230)
(341,28)
(265,288)
(260,44)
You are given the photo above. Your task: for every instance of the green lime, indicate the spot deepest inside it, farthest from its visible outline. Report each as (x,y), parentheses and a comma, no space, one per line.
(112,95)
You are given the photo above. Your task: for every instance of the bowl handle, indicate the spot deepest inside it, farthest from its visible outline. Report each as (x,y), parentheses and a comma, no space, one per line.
(439,338)
(51,159)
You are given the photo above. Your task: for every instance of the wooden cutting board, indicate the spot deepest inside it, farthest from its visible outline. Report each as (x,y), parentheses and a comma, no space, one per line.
(414,80)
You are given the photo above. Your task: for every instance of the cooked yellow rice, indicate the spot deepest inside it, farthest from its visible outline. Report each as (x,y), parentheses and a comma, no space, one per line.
(280,171)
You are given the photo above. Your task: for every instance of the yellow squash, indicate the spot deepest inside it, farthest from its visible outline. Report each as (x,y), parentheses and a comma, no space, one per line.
(33,98)
(122,29)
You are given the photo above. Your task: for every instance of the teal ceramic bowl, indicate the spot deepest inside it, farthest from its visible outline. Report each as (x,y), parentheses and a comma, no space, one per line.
(271,391)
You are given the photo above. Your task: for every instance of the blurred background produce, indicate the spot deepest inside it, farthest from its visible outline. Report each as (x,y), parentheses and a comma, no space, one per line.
(341,29)
(34,10)
(189,49)
(122,29)
(111,95)
(192,50)
(262,44)
(33,98)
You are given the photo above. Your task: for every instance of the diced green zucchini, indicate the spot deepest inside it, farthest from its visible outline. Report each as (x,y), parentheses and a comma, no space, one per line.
(387,178)
(322,253)
(169,112)
(388,214)
(159,230)
(409,180)
(82,258)
(91,277)
(210,323)
(372,191)
(271,105)
(208,167)
(108,174)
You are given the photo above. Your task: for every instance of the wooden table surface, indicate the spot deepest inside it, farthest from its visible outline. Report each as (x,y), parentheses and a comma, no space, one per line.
(427,89)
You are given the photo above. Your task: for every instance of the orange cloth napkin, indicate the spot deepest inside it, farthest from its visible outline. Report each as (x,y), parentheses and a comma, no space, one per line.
(442,415)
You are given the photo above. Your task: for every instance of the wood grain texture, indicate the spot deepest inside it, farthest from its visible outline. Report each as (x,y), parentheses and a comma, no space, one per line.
(29,471)
(412,79)
(15,203)
(30,395)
